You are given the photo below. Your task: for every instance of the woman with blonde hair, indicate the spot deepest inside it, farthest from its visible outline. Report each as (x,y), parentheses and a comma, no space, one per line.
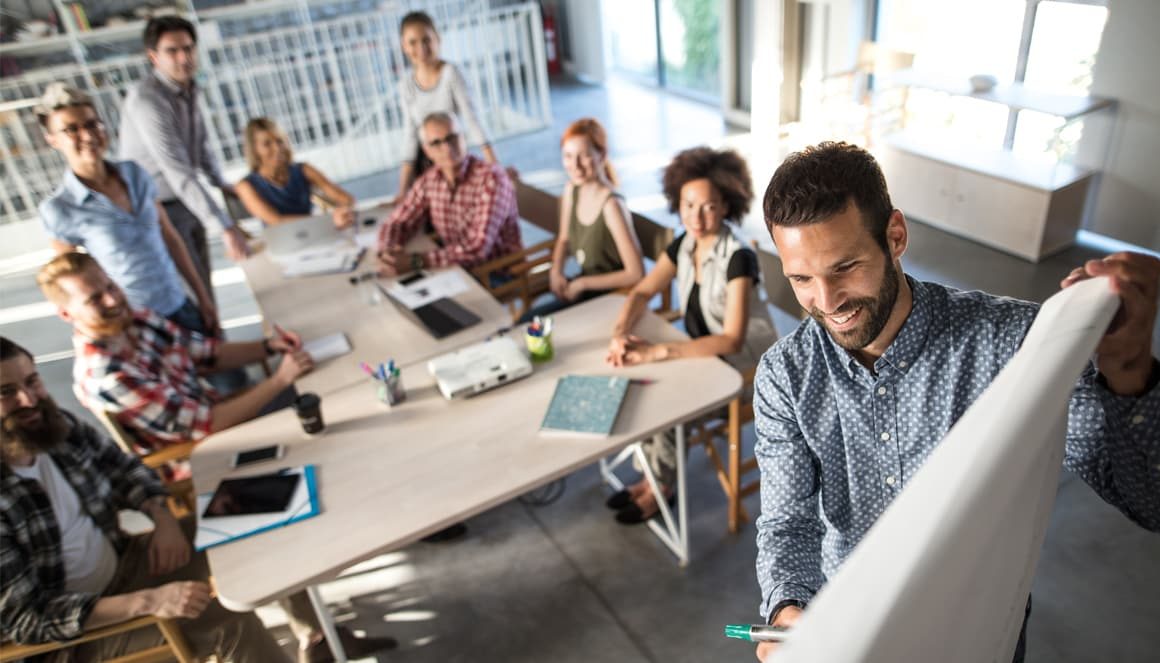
(595,224)
(277,189)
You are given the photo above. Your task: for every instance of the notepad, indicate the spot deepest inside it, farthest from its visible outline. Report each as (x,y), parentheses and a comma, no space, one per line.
(327,347)
(584,405)
(223,529)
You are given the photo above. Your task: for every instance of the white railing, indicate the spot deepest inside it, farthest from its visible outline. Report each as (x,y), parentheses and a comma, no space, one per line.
(333,85)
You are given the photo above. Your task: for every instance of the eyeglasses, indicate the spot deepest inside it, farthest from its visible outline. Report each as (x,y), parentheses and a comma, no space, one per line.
(74,130)
(446,140)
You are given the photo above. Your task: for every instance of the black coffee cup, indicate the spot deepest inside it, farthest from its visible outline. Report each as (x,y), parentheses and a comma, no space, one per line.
(309,409)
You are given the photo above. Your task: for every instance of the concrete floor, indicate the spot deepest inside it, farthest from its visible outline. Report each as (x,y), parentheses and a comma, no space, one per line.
(564,582)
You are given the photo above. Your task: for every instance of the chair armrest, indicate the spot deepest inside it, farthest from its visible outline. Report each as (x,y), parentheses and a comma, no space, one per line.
(482,270)
(14,652)
(165,455)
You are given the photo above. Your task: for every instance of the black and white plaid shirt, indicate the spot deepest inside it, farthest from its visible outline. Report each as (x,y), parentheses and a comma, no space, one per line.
(34,606)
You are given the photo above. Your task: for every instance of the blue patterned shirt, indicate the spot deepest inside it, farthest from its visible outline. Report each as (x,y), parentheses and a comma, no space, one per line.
(128,245)
(836,443)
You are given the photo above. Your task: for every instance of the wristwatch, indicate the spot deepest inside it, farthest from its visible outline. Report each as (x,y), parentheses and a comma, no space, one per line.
(785,604)
(270,352)
(416,262)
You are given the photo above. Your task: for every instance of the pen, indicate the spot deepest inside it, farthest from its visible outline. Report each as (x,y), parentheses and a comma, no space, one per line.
(365,276)
(287,338)
(757,632)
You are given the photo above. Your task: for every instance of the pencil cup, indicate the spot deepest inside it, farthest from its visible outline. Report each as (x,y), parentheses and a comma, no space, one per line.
(391,391)
(539,346)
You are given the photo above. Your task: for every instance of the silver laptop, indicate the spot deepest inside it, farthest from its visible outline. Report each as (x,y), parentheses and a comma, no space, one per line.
(293,237)
(479,367)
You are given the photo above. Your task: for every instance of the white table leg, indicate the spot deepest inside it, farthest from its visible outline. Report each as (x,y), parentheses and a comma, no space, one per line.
(326,620)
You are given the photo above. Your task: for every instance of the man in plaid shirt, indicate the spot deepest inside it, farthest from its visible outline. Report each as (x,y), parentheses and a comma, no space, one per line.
(147,371)
(65,565)
(470,203)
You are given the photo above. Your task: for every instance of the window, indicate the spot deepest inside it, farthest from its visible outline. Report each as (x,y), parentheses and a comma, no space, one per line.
(669,43)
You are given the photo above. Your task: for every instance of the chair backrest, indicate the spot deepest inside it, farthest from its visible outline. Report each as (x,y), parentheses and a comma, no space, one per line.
(235,208)
(538,207)
(778,290)
(654,237)
(175,646)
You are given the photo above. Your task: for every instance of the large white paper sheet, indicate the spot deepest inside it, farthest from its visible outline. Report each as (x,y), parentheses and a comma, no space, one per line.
(945,572)
(223,529)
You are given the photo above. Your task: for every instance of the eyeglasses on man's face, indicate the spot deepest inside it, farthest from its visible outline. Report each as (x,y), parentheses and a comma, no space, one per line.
(450,139)
(73,131)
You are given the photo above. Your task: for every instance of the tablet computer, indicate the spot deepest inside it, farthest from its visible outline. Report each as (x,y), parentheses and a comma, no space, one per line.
(263,493)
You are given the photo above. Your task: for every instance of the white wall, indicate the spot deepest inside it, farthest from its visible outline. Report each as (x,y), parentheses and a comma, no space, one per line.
(585,35)
(1128,203)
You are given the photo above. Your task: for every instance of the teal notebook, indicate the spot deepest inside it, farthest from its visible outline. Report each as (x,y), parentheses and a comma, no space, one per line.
(585,405)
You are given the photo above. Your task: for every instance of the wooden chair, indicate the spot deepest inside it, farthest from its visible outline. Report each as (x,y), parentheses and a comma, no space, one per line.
(654,239)
(175,646)
(526,271)
(779,293)
(182,497)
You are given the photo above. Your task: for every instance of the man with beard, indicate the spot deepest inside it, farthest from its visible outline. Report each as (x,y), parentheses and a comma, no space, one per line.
(851,404)
(146,370)
(65,564)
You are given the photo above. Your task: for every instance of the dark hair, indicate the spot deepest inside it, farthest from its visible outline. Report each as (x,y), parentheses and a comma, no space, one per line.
(10,349)
(159,25)
(417,18)
(822,180)
(725,170)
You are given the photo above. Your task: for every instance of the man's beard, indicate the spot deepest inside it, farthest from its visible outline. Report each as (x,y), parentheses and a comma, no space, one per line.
(45,435)
(876,312)
(112,324)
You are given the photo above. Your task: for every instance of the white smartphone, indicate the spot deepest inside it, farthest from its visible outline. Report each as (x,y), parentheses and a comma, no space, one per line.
(258,455)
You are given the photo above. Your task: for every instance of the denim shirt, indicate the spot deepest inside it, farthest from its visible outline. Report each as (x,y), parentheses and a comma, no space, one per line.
(836,442)
(128,245)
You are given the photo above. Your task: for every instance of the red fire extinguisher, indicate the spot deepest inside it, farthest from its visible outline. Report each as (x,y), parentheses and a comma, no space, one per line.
(551,41)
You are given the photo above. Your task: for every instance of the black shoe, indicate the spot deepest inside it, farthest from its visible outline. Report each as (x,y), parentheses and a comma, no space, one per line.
(632,515)
(447,534)
(618,500)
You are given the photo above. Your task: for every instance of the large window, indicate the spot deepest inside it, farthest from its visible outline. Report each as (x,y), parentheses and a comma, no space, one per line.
(669,43)
(1048,45)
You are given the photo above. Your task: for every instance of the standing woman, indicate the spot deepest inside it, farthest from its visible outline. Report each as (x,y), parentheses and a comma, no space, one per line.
(595,226)
(434,86)
(716,277)
(278,189)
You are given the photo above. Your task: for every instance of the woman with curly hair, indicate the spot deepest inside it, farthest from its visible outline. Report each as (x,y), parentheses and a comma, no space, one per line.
(716,277)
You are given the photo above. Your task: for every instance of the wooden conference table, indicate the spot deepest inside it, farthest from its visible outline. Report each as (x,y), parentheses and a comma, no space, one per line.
(317,306)
(387,477)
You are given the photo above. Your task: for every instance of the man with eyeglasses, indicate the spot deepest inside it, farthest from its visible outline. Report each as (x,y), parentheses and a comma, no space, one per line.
(111,209)
(470,203)
(163,130)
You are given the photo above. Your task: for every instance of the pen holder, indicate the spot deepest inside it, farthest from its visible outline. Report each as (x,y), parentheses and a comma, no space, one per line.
(391,391)
(539,347)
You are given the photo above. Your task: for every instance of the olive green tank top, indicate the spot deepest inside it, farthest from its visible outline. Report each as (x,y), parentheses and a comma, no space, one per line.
(592,245)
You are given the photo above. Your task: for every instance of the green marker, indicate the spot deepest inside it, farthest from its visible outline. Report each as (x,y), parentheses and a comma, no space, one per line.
(756,632)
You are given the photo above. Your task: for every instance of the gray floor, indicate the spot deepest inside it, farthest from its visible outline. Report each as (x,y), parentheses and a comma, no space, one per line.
(564,582)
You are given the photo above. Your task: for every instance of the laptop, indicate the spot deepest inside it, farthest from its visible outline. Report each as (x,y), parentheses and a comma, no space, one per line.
(478,368)
(287,239)
(440,317)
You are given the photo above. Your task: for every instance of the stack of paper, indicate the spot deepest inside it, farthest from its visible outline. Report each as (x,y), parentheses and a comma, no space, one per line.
(327,347)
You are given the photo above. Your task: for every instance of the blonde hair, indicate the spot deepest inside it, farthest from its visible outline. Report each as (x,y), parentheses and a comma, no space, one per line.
(60,95)
(72,263)
(251,136)
(593,131)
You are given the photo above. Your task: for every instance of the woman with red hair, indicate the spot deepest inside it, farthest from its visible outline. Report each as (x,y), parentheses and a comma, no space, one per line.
(595,226)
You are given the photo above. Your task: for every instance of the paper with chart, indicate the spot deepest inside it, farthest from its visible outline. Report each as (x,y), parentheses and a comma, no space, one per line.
(945,572)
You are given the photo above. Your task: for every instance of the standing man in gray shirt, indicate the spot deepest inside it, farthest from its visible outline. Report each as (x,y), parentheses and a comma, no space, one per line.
(162,129)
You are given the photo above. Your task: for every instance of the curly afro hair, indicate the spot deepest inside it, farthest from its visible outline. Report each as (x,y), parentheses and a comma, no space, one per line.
(725,170)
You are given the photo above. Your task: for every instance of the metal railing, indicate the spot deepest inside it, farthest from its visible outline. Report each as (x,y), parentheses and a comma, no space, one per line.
(332,84)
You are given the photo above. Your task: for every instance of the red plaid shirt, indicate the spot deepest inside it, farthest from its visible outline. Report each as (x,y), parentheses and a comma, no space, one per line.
(148,379)
(476,220)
